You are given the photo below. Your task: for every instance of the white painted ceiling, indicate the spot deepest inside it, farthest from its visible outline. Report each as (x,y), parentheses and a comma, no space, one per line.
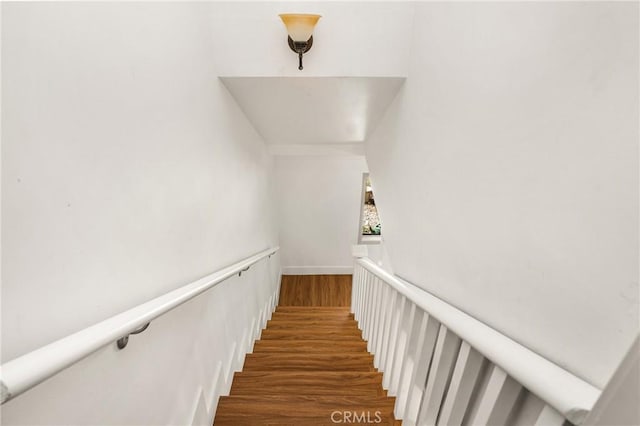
(313,110)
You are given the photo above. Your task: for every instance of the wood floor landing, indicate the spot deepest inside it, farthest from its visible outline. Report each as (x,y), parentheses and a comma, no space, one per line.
(311,367)
(315,290)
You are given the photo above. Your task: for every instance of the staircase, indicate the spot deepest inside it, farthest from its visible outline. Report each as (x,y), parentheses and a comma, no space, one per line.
(311,367)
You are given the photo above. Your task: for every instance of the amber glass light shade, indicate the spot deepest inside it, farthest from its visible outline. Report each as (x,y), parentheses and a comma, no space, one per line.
(300,26)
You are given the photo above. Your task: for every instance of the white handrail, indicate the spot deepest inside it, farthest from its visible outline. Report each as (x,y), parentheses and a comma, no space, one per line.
(26,371)
(567,393)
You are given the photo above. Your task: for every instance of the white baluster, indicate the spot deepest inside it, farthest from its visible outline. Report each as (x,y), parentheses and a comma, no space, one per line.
(444,356)
(425,354)
(354,290)
(368,305)
(361,292)
(497,400)
(401,303)
(465,376)
(531,410)
(373,314)
(418,330)
(376,315)
(386,331)
(410,312)
(549,417)
(382,317)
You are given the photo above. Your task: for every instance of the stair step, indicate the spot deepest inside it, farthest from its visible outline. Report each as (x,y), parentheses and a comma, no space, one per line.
(262,420)
(316,309)
(311,334)
(303,410)
(284,345)
(354,361)
(313,315)
(308,383)
(310,363)
(322,323)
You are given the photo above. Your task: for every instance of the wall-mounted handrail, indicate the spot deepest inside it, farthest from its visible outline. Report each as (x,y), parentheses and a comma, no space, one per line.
(567,393)
(26,371)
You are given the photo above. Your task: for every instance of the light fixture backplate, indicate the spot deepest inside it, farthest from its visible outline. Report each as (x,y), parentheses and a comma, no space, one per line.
(292,45)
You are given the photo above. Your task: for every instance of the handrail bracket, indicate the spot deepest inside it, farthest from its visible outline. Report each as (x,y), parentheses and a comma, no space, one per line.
(122,342)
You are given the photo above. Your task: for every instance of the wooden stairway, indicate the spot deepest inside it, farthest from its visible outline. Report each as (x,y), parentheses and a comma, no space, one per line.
(311,367)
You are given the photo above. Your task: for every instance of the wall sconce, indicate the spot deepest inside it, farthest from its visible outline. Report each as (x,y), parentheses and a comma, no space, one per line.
(300,29)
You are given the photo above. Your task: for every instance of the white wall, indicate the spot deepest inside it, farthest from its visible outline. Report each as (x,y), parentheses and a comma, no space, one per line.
(506,172)
(355,38)
(318,199)
(127,171)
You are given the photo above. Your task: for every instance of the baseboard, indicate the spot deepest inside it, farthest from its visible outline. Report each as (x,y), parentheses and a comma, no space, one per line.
(317,270)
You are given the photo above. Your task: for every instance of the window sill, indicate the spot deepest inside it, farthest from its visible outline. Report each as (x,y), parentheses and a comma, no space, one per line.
(370,239)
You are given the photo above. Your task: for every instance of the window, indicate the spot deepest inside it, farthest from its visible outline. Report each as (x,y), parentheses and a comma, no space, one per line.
(370,227)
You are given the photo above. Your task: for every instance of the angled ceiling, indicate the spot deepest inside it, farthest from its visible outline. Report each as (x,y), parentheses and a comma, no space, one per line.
(313,110)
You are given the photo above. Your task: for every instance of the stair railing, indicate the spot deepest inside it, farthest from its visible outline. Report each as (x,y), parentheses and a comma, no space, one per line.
(27,371)
(447,368)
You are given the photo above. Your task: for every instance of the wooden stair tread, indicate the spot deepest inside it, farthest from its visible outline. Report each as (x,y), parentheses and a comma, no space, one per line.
(387,402)
(303,374)
(302,330)
(304,389)
(313,308)
(270,420)
(319,345)
(320,315)
(309,363)
(300,310)
(311,322)
(332,361)
(307,383)
(307,334)
(301,410)
(303,405)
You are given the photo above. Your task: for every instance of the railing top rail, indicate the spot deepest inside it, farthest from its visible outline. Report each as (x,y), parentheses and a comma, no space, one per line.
(564,391)
(27,371)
